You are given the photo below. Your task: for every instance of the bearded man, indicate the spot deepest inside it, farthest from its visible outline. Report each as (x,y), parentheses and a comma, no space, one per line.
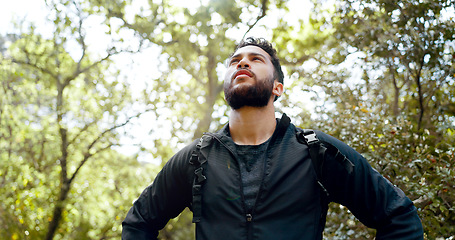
(254,178)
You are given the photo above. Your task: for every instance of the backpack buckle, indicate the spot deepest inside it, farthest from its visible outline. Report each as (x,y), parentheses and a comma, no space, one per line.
(310,137)
(200,176)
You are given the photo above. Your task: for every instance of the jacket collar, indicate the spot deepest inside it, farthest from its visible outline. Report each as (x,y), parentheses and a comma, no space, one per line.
(224,136)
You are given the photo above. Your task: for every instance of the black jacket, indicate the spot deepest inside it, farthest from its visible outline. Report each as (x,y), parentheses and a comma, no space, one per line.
(288,205)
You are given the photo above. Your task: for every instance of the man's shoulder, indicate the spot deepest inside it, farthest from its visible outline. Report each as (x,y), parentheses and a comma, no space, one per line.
(185,152)
(344,148)
(201,142)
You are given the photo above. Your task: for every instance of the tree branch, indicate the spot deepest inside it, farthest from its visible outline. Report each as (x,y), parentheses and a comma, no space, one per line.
(81,37)
(87,154)
(27,63)
(420,93)
(263,13)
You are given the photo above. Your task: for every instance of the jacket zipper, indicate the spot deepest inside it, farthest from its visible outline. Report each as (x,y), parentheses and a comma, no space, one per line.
(248,215)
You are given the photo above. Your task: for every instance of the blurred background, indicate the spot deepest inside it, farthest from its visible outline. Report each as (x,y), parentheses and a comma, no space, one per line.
(96,95)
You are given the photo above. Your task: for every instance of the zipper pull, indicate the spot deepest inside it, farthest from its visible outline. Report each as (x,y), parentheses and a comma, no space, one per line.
(249,217)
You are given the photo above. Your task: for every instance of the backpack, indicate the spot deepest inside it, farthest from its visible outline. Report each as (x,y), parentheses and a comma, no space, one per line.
(317,149)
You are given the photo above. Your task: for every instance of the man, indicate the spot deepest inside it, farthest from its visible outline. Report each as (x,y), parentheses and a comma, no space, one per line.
(257,181)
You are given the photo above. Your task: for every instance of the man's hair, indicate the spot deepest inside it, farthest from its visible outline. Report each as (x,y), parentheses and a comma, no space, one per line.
(268,48)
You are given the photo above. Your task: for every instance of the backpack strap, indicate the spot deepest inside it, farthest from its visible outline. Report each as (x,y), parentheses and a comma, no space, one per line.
(198,161)
(318,150)
(317,154)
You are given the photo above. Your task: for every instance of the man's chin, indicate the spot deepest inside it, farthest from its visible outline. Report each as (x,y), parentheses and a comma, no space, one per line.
(242,83)
(247,102)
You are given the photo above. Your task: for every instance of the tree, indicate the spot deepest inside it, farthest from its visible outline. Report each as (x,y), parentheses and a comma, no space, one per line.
(381,74)
(61,112)
(398,110)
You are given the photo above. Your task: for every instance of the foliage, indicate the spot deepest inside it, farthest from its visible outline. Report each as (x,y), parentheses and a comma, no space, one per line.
(60,117)
(380,74)
(395,104)
(422,169)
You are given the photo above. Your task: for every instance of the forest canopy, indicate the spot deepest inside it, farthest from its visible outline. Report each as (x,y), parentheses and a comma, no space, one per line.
(96,100)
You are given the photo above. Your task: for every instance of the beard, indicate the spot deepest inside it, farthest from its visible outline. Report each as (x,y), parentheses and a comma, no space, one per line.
(252,95)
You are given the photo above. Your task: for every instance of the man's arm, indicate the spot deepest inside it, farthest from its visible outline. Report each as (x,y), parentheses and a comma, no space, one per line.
(369,196)
(164,199)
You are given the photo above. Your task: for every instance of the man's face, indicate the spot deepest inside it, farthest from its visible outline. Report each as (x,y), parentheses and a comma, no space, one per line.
(249,78)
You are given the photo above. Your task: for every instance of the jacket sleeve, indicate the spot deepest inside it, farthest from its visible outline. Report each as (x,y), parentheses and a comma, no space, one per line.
(369,196)
(163,200)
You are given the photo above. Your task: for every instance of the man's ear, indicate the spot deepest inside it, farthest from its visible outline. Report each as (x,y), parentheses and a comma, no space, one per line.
(278,88)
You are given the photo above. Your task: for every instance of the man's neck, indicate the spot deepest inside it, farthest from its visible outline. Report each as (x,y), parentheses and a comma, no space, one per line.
(251,125)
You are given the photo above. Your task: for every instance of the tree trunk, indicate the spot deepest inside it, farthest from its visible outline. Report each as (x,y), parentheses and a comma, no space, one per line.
(420,95)
(58,210)
(65,183)
(214,89)
(396,96)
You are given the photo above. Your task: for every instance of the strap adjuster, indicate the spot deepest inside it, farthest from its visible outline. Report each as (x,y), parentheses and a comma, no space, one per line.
(200,176)
(197,189)
(310,137)
(194,160)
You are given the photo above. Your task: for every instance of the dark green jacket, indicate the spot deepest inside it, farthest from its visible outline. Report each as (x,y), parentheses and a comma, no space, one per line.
(288,205)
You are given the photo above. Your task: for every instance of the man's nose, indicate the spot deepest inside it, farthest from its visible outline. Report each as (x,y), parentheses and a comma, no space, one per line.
(243,64)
